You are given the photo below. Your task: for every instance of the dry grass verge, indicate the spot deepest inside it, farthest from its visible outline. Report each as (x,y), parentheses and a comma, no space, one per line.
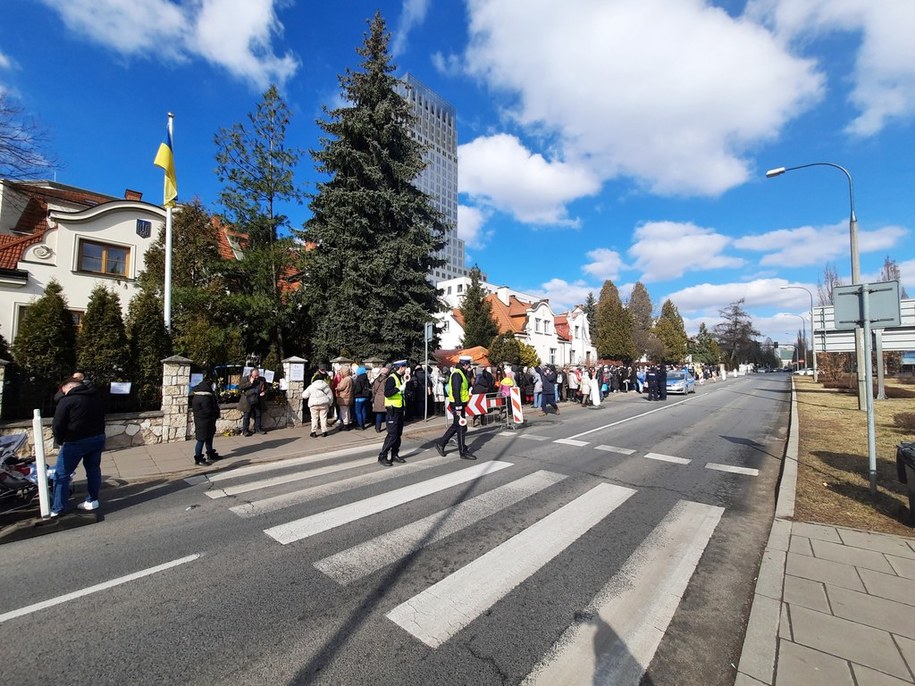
(832,483)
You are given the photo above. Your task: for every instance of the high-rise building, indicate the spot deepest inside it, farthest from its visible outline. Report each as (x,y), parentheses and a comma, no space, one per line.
(435,127)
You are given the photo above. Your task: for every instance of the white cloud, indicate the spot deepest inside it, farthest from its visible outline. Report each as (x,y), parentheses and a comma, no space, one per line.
(708,298)
(412,15)
(5,62)
(499,172)
(645,88)
(605,264)
(564,295)
(448,65)
(884,76)
(667,250)
(233,34)
(808,245)
(471,223)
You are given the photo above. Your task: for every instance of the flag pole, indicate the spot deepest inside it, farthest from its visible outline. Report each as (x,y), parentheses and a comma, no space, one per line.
(167,291)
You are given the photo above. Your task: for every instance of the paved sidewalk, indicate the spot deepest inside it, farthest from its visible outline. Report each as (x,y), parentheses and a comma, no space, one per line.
(833,606)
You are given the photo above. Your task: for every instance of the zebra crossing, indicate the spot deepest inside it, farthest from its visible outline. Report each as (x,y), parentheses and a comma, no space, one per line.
(637,602)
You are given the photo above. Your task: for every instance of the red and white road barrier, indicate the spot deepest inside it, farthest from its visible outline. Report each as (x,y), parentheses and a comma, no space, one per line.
(517,413)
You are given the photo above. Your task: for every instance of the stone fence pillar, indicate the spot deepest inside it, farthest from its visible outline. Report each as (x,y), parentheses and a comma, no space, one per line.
(294,374)
(176,375)
(3,364)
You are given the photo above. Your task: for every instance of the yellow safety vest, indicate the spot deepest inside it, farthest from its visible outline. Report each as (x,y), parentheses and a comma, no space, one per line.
(465,388)
(395,400)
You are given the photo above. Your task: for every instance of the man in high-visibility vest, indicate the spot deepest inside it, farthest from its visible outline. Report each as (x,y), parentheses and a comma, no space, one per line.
(394,388)
(458,395)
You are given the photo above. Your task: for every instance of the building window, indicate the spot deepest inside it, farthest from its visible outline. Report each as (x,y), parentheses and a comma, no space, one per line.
(546,326)
(449,290)
(460,288)
(552,355)
(576,333)
(103,258)
(537,325)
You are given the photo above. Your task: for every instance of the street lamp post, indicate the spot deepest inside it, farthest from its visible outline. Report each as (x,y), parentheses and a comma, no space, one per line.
(812,329)
(863,382)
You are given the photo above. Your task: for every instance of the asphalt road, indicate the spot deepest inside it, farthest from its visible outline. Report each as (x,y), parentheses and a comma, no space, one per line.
(616,555)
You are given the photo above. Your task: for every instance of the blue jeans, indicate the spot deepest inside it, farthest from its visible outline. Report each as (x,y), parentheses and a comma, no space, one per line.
(538,399)
(89,450)
(361,412)
(379,420)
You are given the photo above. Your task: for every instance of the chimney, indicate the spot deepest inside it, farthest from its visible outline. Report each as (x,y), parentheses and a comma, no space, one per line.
(502,294)
(132,195)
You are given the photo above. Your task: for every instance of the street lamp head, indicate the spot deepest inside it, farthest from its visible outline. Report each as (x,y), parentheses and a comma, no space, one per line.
(778,171)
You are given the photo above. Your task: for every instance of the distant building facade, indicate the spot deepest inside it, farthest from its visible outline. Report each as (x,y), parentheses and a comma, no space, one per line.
(435,127)
(559,338)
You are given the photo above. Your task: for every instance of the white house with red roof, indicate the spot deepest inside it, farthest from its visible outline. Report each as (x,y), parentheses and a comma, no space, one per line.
(559,338)
(80,238)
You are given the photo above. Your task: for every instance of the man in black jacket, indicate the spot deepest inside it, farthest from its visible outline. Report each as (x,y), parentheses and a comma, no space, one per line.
(79,429)
(205,406)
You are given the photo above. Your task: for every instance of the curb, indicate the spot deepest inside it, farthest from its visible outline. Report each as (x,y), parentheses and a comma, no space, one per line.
(760,644)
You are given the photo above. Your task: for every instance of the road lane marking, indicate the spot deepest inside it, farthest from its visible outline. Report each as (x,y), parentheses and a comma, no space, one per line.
(748,471)
(280,464)
(614,449)
(289,478)
(639,416)
(95,589)
(359,561)
(667,458)
(508,433)
(571,441)
(283,500)
(330,519)
(627,619)
(445,608)
(534,437)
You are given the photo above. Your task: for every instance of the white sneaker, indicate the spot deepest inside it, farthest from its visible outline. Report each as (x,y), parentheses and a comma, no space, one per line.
(88,505)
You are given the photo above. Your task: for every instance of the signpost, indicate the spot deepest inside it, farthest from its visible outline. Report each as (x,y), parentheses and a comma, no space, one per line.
(428,334)
(860,306)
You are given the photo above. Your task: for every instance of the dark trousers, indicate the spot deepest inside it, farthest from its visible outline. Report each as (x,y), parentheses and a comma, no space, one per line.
(653,391)
(257,412)
(549,400)
(456,429)
(395,430)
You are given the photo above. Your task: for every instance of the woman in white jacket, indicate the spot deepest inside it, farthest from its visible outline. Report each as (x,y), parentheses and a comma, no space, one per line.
(320,397)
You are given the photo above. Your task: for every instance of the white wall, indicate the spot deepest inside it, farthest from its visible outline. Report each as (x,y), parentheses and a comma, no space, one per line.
(55,257)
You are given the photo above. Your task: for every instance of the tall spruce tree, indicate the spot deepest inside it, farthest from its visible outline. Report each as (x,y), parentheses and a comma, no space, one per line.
(703,347)
(45,345)
(375,234)
(257,169)
(669,329)
(640,310)
(590,308)
(102,349)
(150,343)
(613,338)
(479,326)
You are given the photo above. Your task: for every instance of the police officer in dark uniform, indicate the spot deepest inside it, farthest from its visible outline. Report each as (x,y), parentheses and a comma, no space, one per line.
(458,395)
(662,382)
(651,380)
(394,402)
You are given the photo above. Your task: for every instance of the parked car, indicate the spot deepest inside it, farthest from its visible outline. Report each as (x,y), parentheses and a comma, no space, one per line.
(681,382)
(804,372)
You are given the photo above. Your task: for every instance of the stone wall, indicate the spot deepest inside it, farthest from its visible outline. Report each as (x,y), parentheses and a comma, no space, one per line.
(175,422)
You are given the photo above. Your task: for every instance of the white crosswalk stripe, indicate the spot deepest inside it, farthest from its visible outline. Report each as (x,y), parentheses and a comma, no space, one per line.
(666,458)
(362,560)
(614,449)
(261,506)
(330,519)
(748,471)
(628,617)
(571,441)
(446,607)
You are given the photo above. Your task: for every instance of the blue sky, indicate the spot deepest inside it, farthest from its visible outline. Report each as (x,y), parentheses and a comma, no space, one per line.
(624,139)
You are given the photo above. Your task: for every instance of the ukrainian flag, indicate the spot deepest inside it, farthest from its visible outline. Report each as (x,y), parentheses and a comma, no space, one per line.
(165,159)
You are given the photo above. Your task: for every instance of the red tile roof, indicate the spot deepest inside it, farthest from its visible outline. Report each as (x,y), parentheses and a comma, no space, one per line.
(12,247)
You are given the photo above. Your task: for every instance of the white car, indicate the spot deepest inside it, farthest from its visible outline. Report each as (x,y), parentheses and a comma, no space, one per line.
(804,372)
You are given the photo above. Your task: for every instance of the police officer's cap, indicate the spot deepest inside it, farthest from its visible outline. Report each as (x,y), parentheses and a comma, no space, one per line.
(399,363)
(465,359)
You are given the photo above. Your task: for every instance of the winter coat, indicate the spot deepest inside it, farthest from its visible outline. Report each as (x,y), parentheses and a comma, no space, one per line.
(548,381)
(205,407)
(438,386)
(250,390)
(484,383)
(538,380)
(361,386)
(378,393)
(344,389)
(318,393)
(79,414)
